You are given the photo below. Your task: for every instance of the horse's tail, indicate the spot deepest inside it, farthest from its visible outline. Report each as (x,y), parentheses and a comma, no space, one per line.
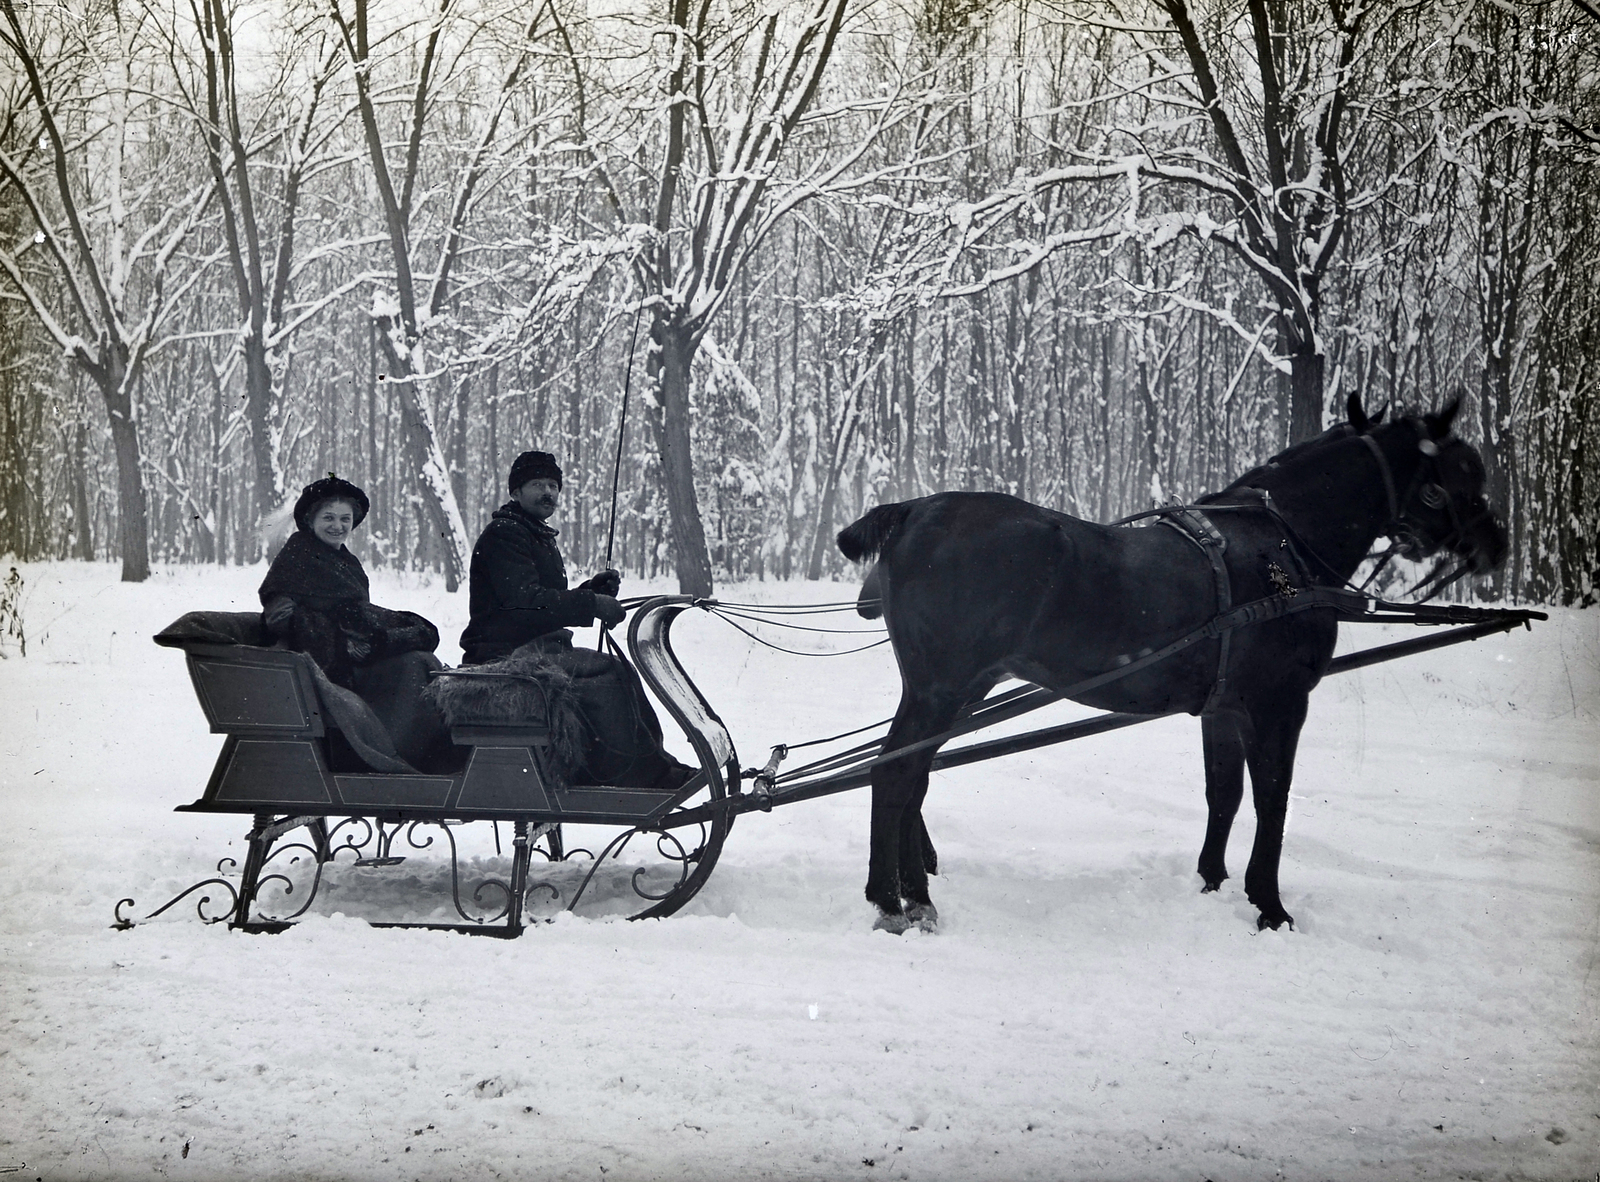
(865,537)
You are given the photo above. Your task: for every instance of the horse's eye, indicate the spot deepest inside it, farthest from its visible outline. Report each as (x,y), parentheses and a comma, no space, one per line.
(1432,495)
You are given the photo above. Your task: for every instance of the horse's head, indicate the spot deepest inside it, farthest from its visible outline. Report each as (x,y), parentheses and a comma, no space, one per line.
(1443,507)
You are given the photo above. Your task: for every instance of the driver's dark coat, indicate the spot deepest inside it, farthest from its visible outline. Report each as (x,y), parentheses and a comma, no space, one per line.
(518,587)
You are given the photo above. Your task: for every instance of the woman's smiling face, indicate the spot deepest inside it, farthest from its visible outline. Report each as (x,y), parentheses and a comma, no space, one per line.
(333,521)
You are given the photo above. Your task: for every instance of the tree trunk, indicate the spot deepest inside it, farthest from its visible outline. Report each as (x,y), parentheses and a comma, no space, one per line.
(908,414)
(487,504)
(269,481)
(1107,493)
(1305,391)
(1499,461)
(670,361)
(458,438)
(133,527)
(82,526)
(426,459)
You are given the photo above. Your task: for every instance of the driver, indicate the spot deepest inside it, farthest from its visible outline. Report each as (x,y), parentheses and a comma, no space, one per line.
(522,607)
(518,583)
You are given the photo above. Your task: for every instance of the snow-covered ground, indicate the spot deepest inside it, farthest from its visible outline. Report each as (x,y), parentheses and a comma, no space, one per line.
(1085,1012)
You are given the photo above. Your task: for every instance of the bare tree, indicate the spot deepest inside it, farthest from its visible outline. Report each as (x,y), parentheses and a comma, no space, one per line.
(1266,179)
(259,223)
(732,99)
(403,315)
(1507,119)
(82,155)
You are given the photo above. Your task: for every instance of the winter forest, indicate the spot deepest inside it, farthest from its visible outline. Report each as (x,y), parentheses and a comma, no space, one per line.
(791,259)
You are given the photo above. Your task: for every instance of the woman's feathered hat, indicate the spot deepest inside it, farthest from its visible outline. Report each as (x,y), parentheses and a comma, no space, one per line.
(329,488)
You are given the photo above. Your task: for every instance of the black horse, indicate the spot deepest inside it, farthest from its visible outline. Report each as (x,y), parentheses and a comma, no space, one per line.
(978,587)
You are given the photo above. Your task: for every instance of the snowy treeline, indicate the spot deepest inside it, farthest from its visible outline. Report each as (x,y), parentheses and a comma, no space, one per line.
(857,251)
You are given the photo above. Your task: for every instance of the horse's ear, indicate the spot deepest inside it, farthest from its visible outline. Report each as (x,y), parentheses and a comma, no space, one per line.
(1439,422)
(1358,417)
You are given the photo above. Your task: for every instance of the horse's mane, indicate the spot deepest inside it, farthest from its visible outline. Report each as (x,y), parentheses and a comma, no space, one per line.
(1333,434)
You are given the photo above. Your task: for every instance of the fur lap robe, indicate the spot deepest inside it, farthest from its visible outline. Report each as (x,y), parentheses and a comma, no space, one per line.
(333,619)
(602,728)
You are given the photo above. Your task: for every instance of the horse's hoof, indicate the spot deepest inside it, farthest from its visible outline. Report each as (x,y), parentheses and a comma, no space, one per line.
(1211,887)
(925,916)
(893,924)
(1274,921)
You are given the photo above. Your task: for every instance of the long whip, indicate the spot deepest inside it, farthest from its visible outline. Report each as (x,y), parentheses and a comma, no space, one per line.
(622,432)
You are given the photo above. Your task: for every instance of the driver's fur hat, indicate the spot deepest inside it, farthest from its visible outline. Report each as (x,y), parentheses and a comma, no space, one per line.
(534,465)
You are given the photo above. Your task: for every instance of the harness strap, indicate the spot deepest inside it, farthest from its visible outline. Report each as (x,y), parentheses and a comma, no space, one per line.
(1348,603)
(1198,528)
(1388,477)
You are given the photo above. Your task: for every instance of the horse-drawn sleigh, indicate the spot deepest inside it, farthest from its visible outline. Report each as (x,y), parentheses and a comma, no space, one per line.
(1227,608)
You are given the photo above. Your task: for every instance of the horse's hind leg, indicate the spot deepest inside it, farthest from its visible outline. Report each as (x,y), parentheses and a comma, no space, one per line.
(1224,755)
(918,859)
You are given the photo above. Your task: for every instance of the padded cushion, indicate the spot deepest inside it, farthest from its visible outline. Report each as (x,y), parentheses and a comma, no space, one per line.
(215,628)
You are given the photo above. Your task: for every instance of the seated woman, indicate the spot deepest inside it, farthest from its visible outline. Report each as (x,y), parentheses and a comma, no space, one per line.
(315,600)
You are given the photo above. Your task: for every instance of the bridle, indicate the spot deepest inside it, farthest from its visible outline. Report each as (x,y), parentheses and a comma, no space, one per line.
(1427,486)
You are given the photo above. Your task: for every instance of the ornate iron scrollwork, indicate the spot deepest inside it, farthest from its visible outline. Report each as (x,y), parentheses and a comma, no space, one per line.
(371,843)
(667,846)
(123,923)
(321,854)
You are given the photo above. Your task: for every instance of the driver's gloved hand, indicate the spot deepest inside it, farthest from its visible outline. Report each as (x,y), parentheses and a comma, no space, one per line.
(610,612)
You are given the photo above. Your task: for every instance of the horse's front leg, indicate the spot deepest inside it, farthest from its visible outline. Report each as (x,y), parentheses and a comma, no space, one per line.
(930,856)
(1223,742)
(897,868)
(1270,754)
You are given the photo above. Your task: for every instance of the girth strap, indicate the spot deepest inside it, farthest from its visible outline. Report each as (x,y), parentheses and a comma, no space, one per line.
(1198,528)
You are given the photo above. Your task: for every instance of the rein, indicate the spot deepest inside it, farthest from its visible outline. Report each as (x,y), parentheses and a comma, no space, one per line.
(1350,605)
(729,619)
